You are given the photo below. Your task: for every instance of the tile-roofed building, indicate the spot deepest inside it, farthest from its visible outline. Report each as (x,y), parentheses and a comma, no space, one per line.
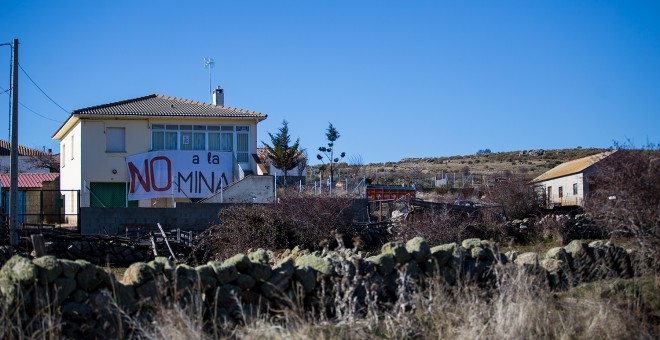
(567,183)
(572,167)
(159,105)
(97,144)
(5,150)
(29,180)
(26,158)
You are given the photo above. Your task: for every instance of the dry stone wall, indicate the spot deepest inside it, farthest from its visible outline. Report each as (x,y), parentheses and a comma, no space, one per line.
(94,303)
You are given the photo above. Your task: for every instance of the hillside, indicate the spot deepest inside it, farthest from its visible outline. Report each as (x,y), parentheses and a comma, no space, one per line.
(529,163)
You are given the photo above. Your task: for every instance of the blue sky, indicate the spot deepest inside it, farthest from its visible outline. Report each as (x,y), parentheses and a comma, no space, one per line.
(397,78)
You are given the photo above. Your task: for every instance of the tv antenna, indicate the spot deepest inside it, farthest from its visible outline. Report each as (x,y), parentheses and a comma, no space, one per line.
(208,63)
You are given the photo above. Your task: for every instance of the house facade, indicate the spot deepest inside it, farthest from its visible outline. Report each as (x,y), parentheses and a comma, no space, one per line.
(567,184)
(96,142)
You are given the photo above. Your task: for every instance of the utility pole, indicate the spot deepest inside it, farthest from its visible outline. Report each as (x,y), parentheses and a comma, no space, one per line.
(13,184)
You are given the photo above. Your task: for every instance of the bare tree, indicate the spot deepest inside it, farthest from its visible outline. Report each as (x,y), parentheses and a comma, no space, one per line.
(625,197)
(44,161)
(355,165)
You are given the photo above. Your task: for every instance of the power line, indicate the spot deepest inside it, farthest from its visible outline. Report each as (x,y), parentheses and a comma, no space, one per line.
(42,91)
(29,109)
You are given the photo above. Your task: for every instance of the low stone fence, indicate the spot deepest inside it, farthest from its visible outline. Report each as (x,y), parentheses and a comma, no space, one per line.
(92,302)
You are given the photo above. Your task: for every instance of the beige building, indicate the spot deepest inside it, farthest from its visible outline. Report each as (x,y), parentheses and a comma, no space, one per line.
(95,141)
(567,183)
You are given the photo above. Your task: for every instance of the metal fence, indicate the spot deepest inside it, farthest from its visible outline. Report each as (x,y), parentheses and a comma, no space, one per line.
(44,209)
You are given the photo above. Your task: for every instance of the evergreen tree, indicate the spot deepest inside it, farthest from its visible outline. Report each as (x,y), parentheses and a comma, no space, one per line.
(282,155)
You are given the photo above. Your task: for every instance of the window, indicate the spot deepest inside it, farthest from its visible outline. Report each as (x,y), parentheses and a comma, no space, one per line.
(199,137)
(242,143)
(63,154)
(575,189)
(115,139)
(561,192)
(224,138)
(73,150)
(227,138)
(186,137)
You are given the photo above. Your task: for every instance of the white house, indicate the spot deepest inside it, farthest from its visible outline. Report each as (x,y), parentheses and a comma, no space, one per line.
(155,150)
(28,159)
(567,183)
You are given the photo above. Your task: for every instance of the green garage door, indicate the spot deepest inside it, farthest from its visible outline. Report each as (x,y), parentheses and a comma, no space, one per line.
(108,195)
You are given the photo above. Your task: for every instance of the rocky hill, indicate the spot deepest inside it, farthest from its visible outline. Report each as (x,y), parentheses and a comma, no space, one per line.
(529,163)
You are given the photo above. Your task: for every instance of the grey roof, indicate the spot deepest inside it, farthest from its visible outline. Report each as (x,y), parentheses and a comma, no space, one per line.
(158,105)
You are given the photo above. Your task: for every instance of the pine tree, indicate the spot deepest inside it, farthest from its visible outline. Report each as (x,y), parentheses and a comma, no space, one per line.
(282,155)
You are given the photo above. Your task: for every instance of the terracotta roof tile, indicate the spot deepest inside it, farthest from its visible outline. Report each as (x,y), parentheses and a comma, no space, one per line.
(572,167)
(29,180)
(5,150)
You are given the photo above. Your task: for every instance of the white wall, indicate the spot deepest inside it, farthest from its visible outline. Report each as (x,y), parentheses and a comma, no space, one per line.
(293,172)
(566,182)
(252,189)
(70,170)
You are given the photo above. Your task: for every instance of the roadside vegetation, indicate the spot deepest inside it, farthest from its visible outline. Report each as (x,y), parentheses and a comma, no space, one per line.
(516,303)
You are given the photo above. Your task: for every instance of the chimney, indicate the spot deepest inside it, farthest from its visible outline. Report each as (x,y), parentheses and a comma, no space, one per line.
(219,97)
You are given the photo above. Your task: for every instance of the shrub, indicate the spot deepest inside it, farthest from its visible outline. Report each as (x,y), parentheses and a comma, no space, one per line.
(242,227)
(516,196)
(625,196)
(309,222)
(435,225)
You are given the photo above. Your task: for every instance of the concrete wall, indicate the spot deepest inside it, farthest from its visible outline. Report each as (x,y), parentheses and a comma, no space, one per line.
(187,216)
(252,189)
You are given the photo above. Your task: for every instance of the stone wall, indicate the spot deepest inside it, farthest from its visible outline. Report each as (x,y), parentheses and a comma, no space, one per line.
(91,300)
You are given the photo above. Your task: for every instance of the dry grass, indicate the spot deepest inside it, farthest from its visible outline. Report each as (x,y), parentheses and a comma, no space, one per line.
(517,309)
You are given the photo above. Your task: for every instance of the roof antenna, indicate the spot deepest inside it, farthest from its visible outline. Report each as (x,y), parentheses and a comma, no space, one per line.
(208,63)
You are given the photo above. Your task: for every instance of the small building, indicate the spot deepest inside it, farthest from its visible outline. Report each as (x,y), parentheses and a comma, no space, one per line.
(567,184)
(39,198)
(29,160)
(154,151)
(389,192)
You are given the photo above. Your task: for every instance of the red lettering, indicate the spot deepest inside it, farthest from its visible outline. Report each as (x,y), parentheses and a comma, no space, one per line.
(135,172)
(169,173)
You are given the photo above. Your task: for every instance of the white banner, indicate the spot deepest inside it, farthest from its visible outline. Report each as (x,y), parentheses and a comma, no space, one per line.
(182,174)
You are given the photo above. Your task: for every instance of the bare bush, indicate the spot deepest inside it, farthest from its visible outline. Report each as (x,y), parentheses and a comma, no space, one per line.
(313,222)
(242,227)
(516,196)
(625,197)
(435,225)
(309,222)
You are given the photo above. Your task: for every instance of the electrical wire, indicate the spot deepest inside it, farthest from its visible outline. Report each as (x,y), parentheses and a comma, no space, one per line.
(42,91)
(29,109)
